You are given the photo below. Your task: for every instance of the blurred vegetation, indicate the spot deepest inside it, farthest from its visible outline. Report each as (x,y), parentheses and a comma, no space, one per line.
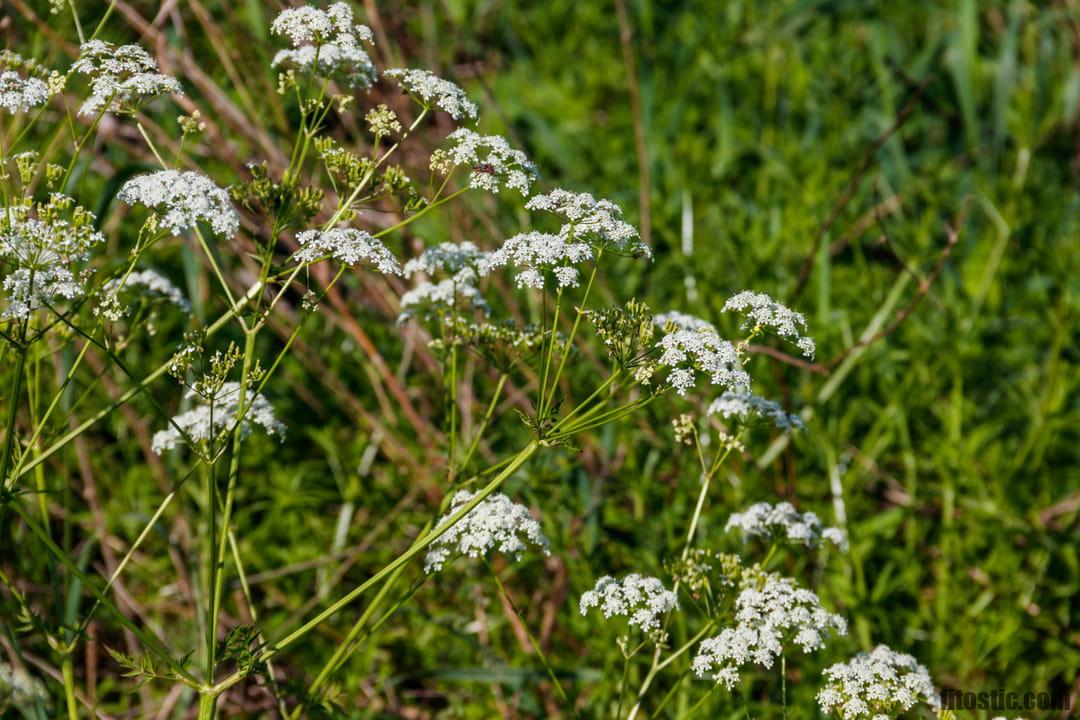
(903,173)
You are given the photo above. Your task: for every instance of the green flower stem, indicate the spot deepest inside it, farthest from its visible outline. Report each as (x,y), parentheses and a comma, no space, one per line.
(479,434)
(541,402)
(67,669)
(574,328)
(532,640)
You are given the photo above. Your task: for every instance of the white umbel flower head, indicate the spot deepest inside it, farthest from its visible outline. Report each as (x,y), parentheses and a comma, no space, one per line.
(19,94)
(762,312)
(452,295)
(534,253)
(769,617)
(154,283)
(782,522)
(211,415)
(597,222)
(492,163)
(122,79)
(348,246)
(181,199)
(746,405)
(42,248)
(682,321)
(430,91)
(880,684)
(496,523)
(641,599)
(326,42)
(463,261)
(687,352)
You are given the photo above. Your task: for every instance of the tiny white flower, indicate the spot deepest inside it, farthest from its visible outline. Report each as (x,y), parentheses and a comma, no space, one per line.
(641,599)
(348,246)
(491,162)
(744,405)
(496,523)
(687,352)
(121,78)
(154,283)
(682,321)
(431,90)
(181,199)
(880,684)
(213,414)
(762,311)
(19,94)
(533,253)
(783,522)
(462,259)
(597,222)
(769,617)
(454,295)
(326,42)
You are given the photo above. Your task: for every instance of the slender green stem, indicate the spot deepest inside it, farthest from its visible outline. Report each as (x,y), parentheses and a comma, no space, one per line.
(415,549)
(541,402)
(623,683)
(479,434)
(783,681)
(532,640)
(67,669)
(573,330)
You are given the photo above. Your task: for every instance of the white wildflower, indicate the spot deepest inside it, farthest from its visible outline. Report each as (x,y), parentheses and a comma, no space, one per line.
(154,283)
(744,405)
(762,311)
(435,298)
(181,199)
(768,618)
(641,599)
(42,251)
(348,246)
(431,90)
(533,253)
(880,684)
(496,523)
(783,522)
(121,78)
(490,159)
(597,222)
(682,321)
(326,42)
(688,352)
(462,259)
(19,94)
(212,414)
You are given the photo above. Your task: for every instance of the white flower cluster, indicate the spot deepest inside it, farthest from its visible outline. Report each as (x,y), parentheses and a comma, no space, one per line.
(348,246)
(743,405)
(326,38)
(689,351)
(597,222)
(462,261)
(535,252)
(121,78)
(762,311)
(641,599)
(778,612)
(496,523)
(19,689)
(43,252)
(783,522)
(490,159)
(432,298)
(880,684)
(682,321)
(430,90)
(211,415)
(154,283)
(181,199)
(19,94)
